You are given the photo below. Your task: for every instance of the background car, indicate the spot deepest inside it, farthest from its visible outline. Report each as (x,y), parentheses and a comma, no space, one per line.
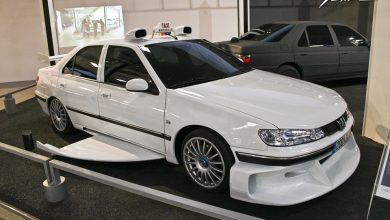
(307,50)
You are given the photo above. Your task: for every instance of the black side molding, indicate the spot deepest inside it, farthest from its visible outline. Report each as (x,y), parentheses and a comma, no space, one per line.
(283,161)
(134,127)
(40,98)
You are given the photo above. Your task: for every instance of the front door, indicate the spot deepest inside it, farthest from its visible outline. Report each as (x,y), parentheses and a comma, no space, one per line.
(137,117)
(316,53)
(354,52)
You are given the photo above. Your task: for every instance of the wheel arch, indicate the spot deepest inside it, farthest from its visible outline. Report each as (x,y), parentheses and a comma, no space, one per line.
(183,132)
(295,65)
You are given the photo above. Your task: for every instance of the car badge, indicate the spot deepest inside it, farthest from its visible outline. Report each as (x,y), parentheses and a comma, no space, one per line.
(341,122)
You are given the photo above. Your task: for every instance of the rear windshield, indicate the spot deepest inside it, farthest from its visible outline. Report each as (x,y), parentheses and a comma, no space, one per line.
(268,32)
(190,62)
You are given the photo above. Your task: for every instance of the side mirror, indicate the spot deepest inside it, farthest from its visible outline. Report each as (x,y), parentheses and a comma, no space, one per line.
(234,40)
(137,85)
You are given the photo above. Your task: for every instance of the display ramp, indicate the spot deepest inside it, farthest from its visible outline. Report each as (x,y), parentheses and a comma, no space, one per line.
(102,148)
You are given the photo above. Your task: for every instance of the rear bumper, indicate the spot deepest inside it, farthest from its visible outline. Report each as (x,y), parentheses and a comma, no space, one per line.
(289,185)
(42,100)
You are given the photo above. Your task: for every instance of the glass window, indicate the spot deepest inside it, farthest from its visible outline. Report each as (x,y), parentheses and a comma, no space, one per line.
(189,62)
(319,36)
(123,64)
(85,63)
(303,40)
(348,37)
(268,32)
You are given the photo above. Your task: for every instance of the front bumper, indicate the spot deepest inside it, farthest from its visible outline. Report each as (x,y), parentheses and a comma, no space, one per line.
(289,185)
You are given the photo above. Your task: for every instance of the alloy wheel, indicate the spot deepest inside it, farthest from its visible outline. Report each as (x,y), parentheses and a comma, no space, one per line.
(204,162)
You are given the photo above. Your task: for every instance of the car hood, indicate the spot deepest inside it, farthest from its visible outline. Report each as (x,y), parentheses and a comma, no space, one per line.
(282,101)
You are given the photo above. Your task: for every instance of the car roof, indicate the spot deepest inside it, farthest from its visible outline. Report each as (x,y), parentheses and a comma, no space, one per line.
(307,22)
(140,41)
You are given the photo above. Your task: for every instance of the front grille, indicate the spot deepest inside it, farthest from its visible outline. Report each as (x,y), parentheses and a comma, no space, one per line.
(336,125)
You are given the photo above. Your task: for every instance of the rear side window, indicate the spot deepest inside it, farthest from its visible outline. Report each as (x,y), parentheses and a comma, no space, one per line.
(85,63)
(123,64)
(268,32)
(348,37)
(319,36)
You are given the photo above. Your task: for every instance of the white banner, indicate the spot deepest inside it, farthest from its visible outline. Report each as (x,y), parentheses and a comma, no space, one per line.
(383,188)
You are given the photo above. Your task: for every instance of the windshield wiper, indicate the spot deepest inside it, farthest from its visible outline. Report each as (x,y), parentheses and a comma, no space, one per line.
(194,81)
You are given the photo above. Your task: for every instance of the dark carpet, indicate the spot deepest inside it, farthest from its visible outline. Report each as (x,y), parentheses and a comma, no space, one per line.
(21,180)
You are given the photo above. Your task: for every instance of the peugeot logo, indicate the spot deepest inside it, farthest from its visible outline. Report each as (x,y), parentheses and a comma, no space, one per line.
(341,122)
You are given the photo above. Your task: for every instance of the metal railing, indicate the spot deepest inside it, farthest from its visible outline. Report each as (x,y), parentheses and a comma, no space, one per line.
(55,188)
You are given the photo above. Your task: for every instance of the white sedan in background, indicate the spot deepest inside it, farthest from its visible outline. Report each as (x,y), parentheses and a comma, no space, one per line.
(271,139)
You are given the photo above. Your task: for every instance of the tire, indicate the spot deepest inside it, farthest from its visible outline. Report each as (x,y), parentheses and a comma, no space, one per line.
(59,117)
(290,71)
(207,159)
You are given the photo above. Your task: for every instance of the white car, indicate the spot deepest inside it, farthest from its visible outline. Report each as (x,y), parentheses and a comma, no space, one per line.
(271,139)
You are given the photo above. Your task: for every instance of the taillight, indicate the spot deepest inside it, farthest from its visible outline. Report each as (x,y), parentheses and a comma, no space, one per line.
(245,58)
(37,78)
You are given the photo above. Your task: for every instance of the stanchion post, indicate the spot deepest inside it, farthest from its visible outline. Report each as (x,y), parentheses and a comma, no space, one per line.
(28,141)
(9,104)
(54,185)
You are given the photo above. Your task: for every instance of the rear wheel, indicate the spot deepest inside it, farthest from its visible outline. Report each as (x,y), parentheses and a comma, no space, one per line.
(59,117)
(290,71)
(207,159)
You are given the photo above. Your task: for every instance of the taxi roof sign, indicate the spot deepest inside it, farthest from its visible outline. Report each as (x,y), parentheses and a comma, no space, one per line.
(163,27)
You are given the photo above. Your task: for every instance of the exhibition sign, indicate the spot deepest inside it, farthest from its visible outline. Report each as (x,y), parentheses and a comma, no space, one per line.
(383,187)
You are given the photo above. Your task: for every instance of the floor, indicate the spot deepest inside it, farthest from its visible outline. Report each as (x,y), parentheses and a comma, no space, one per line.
(20,96)
(22,186)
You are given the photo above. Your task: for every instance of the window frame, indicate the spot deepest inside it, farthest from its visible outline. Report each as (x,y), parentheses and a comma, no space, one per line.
(153,86)
(356,32)
(72,57)
(330,34)
(307,39)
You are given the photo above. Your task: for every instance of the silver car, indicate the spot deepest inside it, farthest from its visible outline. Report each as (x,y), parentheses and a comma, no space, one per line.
(308,50)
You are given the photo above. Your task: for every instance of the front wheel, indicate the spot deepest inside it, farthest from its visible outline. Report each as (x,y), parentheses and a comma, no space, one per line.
(207,159)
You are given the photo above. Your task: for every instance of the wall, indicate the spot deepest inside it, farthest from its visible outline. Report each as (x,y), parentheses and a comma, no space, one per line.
(214,20)
(377,111)
(353,13)
(22,39)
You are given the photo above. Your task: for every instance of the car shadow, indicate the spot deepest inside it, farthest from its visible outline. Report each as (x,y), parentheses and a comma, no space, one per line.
(342,82)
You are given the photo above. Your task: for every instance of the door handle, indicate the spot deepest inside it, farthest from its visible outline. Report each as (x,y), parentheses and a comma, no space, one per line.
(62,85)
(303,54)
(105,95)
(345,53)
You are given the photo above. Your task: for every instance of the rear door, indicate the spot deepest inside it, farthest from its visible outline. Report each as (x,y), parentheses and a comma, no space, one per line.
(354,51)
(78,87)
(316,53)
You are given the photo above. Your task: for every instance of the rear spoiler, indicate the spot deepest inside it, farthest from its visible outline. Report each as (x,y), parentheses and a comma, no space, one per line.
(56,58)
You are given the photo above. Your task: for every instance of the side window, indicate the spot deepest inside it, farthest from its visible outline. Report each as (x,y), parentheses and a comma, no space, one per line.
(303,40)
(68,69)
(319,36)
(123,64)
(348,37)
(85,63)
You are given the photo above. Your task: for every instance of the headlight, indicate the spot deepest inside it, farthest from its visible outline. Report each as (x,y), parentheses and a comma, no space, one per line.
(290,137)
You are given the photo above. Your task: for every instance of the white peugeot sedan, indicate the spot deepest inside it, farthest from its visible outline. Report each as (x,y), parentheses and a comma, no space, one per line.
(271,139)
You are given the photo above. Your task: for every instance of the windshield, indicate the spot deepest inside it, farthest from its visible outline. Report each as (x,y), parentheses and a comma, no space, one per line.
(268,32)
(189,62)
